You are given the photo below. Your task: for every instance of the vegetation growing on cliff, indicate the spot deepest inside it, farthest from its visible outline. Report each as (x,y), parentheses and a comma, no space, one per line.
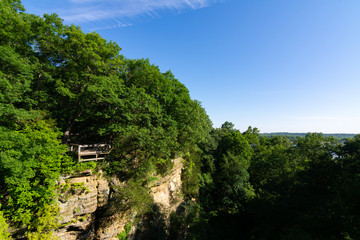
(58,82)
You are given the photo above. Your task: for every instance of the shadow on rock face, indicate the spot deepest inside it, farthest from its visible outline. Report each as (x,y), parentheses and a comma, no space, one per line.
(153,226)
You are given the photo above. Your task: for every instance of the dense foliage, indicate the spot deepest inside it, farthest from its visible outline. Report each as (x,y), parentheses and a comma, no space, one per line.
(59,85)
(31,161)
(255,187)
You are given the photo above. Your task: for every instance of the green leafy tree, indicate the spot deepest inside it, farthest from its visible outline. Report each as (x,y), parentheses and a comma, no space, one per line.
(4,233)
(272,167)
(79,71)
(47,221)
(224,179)
(31,160)
(347,187)
(15,64)
(232,178)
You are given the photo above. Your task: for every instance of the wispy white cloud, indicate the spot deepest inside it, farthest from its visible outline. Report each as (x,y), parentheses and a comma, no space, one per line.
(123,12)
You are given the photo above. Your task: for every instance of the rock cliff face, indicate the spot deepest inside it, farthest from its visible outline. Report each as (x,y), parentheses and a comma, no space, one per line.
(79,200)
(166,191)
(83,196)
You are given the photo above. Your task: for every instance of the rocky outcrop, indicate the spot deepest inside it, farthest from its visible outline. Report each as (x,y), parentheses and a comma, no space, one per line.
(79,198)
(82,198)
(166,191)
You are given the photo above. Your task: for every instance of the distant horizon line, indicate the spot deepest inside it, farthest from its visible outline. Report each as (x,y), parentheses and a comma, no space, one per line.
(337,133)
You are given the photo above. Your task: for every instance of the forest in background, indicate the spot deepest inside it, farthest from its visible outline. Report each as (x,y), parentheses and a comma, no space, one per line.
(341,137)
(59,85)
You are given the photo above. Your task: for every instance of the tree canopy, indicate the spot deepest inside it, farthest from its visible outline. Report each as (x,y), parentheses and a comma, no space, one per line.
(59,85)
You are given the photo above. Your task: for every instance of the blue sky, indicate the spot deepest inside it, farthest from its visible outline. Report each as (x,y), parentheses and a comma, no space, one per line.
(277,65)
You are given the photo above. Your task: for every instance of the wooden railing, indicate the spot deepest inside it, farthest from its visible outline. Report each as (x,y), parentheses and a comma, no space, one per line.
(90,152)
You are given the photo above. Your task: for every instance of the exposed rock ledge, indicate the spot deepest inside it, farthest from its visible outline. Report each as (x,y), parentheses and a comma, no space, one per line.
(84,194)
(167,190)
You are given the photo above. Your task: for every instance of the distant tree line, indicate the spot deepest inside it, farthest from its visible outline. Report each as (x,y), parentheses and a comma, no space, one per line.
(340,137)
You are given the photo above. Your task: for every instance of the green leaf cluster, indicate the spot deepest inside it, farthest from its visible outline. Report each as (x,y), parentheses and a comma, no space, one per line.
(31,162)
(4,234)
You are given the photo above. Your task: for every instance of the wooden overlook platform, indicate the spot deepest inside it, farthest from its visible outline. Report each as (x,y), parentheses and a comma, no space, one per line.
(90,152)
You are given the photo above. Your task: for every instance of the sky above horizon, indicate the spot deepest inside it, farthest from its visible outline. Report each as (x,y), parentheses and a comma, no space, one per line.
(278,65)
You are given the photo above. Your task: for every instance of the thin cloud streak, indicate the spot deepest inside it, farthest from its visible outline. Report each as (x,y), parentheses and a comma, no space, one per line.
(124,11)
